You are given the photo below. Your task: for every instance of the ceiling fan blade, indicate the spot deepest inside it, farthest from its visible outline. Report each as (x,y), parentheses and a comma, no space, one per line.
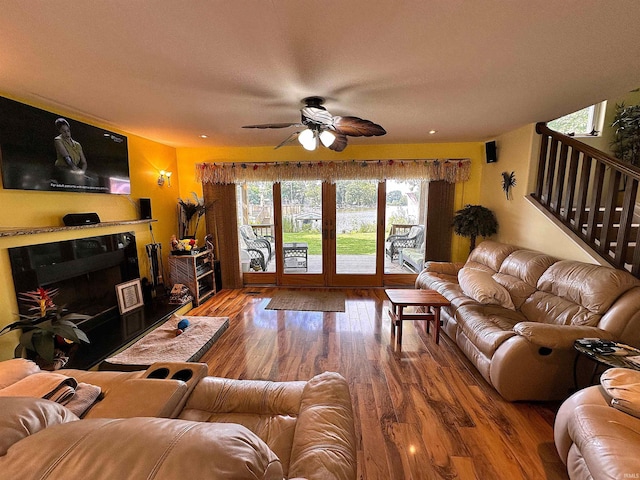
(316,115)
(339,144)
(287,140)
(357,127)
(273,125)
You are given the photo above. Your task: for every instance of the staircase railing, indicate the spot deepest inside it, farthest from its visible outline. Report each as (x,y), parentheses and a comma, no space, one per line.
(592,194)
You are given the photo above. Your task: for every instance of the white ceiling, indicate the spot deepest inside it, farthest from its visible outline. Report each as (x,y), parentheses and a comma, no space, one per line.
(173,70)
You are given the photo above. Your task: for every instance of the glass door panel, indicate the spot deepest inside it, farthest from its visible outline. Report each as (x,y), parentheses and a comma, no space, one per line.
(256,227)
(404,229)
(356,226)
(301,211)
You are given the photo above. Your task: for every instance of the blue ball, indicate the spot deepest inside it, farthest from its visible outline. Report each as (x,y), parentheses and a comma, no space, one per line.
(183,324)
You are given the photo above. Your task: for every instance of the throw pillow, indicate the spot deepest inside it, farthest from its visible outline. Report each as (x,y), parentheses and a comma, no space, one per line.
(623,386)
(481,286)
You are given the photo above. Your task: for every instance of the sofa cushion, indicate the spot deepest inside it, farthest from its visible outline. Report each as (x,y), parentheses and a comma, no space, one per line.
(270,409)
(481,286)
(157,448)
(489,255)
(487,326)
(520,272)
(24,416)
(593,286)
(548,308)
(623,386)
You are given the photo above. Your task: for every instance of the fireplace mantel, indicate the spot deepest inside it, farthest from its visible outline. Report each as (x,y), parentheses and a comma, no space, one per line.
(36,230)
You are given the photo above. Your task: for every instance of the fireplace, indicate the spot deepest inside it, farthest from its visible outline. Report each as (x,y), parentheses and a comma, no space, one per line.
(85,271)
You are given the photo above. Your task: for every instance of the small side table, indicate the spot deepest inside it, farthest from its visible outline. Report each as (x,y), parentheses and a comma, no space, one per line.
(617,359)
(402,298)
(297,251)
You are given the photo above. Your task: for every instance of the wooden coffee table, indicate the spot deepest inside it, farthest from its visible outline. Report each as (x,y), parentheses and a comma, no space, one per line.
(402,298)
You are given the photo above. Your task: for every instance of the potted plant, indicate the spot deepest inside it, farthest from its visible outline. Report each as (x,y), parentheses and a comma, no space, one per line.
(48,334)
(626,140)
(473,221)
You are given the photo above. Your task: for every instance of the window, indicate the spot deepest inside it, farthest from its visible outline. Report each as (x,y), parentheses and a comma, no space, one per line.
(585,122)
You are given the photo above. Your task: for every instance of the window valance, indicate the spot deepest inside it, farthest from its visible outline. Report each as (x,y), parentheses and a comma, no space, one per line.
(449,170)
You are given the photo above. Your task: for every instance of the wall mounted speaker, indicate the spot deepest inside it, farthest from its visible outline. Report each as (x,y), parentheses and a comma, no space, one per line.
(490,150)
(145,209)
(75,219)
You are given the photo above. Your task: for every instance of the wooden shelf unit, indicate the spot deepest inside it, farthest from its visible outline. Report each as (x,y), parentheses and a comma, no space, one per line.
(196,272)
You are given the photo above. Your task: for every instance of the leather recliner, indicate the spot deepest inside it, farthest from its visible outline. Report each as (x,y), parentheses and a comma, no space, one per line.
(516,313)
(173,421)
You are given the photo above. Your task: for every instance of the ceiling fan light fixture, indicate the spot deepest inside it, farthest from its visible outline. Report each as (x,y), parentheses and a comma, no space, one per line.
(308,139)
(327,138)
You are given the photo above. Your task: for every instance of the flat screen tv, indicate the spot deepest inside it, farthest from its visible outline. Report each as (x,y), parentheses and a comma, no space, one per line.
(41,150)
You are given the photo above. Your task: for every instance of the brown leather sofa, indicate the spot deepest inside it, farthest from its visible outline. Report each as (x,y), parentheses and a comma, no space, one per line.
(516,313)
(597,430)
(173,421)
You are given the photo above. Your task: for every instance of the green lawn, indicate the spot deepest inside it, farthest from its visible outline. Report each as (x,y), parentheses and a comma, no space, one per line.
(348,243)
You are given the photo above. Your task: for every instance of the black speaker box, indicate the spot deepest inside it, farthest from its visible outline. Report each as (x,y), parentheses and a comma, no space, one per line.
(75,219)
(490,150)
(145,209)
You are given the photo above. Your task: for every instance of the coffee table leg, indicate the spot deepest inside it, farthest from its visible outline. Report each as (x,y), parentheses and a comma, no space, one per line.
(392,317)
(436,319)
(399,317)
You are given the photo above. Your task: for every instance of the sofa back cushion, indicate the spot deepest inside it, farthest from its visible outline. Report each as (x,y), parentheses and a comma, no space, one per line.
(489,255)
(576,293)
(23,416)
(520,272)
(480,285)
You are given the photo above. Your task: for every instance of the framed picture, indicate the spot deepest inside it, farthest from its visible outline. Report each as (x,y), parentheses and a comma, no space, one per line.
(129,295)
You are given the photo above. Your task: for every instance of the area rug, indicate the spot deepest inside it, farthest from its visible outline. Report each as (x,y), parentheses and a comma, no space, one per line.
(308,300)
(163,345)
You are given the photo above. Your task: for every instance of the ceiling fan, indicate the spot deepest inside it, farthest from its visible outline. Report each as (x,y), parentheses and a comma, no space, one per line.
(322,127)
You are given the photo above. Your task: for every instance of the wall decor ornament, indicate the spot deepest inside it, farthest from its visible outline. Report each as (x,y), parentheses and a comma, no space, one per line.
(508,182)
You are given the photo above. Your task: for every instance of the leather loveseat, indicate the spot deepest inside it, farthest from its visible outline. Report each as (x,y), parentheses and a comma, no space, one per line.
(597,429)
(516,313)
(172,421)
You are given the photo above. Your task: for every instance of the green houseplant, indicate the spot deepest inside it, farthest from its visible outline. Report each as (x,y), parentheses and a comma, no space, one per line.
(48,332)
(626,139)
(473,221)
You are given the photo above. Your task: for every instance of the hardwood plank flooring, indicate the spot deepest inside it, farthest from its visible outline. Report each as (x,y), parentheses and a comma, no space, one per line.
(422,412)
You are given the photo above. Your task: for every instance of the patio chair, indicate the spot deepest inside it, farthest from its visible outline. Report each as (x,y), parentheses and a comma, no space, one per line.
(412,239)
(258,257)
(256,242)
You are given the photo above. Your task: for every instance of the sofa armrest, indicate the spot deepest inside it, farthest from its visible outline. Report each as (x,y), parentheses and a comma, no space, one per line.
(141,397)
(446,268)
(324,444)
(558,336)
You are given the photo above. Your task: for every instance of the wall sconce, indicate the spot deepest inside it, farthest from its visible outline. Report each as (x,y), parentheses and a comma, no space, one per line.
(164,175)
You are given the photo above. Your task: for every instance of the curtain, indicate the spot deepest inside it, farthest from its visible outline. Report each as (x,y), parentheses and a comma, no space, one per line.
(450,170)
(222,223)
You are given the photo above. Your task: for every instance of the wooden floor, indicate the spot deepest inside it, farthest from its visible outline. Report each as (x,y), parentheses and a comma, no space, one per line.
(421,413)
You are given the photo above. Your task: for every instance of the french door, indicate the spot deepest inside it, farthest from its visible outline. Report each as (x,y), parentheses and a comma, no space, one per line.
(330,234)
